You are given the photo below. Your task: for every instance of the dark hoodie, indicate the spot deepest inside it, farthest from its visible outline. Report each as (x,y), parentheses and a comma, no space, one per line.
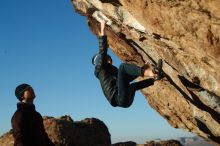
(28,128)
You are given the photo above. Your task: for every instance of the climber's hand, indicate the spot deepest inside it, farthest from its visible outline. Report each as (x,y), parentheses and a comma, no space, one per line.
(102,32)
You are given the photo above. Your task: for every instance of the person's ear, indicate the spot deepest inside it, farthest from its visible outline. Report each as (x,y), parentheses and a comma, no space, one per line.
(22,97)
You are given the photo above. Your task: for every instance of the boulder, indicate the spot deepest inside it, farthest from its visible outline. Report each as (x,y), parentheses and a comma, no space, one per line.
(186,35)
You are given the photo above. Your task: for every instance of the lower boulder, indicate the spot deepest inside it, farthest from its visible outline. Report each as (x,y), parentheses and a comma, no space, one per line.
(64,131)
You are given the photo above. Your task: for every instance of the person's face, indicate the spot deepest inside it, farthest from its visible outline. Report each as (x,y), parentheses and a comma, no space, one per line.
(29,93)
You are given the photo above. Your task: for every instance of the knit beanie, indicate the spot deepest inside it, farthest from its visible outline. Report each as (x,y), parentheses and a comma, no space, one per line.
(19,91)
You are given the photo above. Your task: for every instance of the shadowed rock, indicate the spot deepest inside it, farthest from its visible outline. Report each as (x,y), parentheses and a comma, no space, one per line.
(129,143)
(163,143)
(151,143)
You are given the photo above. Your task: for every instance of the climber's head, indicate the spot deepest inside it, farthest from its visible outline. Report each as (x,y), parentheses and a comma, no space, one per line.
(97,57)
(25,93)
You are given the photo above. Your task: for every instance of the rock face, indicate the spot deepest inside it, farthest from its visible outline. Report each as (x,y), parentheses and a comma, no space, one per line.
(7,139)
(128,143)
(186,35)
(163,143)
(64,132)
(151,143)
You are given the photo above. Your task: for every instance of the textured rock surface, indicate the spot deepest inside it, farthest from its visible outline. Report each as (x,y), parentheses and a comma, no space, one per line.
(186,35)
(7,139)
(163,143)
(151,143)
(128,143)
(64,132)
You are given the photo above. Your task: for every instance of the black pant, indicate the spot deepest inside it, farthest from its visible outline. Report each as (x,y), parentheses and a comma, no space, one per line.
(126,91)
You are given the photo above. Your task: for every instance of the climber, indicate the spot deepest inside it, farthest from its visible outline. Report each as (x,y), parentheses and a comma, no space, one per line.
(27,123)
(116,83)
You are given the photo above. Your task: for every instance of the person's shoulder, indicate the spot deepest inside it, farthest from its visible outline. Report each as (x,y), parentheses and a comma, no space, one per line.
(114,68)
(39,115)
(18,115)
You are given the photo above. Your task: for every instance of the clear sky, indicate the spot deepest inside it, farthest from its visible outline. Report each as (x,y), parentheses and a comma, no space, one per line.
(46,44)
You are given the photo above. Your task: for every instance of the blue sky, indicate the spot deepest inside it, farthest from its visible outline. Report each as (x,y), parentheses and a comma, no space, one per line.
(46,44)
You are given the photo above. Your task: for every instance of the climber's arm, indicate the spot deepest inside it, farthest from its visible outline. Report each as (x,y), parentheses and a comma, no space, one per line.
(103,43)
(103,48)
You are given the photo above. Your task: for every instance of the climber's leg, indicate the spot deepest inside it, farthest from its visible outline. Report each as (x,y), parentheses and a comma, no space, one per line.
(126,74)
(141,84)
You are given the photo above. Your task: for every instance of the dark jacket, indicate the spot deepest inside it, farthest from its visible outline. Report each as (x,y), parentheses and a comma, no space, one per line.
(106,73)
(28,128)
(108,80)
